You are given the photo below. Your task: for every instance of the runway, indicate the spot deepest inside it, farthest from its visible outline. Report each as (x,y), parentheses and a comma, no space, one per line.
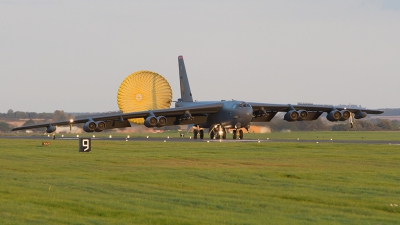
(184,139)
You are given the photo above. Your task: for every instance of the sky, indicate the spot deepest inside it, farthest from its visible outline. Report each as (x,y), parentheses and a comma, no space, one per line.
(73,55)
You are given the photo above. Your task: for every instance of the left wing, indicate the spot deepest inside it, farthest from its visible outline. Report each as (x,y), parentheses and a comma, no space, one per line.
(153,118)
(264,112)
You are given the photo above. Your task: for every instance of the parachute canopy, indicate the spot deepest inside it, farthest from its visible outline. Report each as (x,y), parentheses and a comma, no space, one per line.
(144,90)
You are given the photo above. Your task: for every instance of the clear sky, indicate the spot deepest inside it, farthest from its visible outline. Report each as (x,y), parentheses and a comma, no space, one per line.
(73,55)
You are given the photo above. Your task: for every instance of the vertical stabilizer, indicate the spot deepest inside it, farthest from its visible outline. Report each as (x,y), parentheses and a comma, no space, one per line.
(186,95)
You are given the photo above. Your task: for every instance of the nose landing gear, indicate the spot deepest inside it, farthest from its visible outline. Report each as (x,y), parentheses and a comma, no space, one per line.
(218,132)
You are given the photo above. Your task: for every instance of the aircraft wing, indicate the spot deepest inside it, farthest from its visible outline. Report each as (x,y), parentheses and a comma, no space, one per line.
(323,108)
(118,120)
(314,111)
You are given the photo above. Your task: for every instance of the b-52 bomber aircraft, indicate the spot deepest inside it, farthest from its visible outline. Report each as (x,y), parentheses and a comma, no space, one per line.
(216,116)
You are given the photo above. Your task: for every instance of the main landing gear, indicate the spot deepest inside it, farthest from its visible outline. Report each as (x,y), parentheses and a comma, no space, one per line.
(237,133)
(196,132)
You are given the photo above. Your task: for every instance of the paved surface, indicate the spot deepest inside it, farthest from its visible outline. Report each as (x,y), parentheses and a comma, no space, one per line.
(395,142)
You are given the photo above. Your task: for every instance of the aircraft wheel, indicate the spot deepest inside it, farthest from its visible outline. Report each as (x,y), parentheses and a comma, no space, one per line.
(224,135)
(234,134)
(201,134)
(195,134)
(240,134)
(212,135)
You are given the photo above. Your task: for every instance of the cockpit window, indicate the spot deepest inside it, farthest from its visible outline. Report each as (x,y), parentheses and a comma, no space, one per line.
(243,105)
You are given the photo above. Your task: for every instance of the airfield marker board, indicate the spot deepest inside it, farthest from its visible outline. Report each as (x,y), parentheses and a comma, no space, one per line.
(85,144)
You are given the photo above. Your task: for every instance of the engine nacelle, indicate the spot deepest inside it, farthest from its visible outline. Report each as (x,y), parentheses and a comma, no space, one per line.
(291,116)
(161,121)
(90,126)
(345,115)
(360,115)
(150,121)
(100,126)
(303,114)
(334,115)
(50,129)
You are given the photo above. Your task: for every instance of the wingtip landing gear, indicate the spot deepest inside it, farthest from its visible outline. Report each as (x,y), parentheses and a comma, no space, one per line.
(351,120)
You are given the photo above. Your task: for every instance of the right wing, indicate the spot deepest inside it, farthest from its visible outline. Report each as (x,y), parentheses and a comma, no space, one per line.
(313,111)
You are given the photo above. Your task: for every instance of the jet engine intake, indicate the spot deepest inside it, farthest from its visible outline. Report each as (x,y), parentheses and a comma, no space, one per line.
(291,116)
(334,115)
(345,115)
(303,114)
(100,126)
(161,121)
(50,129)
(90,126)
(150,121)
(360,115)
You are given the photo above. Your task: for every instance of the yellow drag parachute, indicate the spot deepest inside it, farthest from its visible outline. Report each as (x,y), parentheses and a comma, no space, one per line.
(144,90)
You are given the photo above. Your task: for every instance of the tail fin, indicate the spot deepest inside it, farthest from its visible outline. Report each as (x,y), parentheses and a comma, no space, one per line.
(186,95)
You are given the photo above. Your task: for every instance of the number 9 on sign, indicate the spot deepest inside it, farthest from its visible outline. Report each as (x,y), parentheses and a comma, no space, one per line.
(85,144)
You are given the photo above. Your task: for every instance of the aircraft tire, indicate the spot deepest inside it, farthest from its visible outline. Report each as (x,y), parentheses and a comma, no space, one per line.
(212,135)
(195,134)
(235,134)
(201,134)
(240,134)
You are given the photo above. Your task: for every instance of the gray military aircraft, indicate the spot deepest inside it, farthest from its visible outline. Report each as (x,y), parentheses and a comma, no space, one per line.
(216,116)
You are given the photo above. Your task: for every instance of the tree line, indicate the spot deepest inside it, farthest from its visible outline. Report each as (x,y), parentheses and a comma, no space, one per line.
(29,117)
(16,115)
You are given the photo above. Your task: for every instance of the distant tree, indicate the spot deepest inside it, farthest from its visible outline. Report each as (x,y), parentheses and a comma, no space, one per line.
(314,125)
(384,124)
(364,125)
(21,115)
(32,115)
(341,127)
(4,127)
(29,122)
(59,115)
(10,113)
(395,124)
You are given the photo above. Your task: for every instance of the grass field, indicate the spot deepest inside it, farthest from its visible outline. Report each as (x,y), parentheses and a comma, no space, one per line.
(132,182)
(311,135)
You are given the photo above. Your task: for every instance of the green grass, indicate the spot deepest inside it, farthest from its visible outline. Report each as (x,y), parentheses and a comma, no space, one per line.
(309,135)
(132,182)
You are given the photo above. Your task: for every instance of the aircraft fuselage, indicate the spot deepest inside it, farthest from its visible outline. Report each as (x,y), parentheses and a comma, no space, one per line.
(232,115)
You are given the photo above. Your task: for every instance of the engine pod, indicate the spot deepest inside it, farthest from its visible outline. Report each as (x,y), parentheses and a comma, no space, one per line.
(334,115)
(89,126)
(50,129)
(291,116)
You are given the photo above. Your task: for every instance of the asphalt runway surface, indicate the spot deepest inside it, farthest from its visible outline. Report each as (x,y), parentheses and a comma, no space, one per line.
(185,139)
